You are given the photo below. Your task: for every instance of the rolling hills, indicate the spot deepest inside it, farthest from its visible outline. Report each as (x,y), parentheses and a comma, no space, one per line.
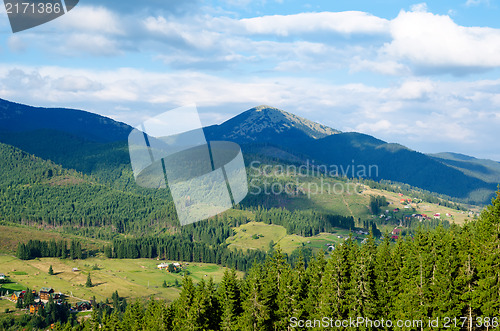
(95,145)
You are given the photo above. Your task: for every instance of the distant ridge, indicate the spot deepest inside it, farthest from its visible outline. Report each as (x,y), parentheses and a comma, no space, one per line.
(486,170)
(16,117)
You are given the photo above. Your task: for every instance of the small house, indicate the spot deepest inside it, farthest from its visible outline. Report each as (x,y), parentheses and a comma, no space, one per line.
(45,293)
(75,269)
(162,266)
(83,305)
(2,276)
(396,231)
(35,307)
(17,295)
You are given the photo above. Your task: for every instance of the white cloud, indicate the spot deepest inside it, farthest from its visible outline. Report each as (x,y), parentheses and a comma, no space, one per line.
(349,22)
(470,3)
(415,90)
(189,32)
(381,125)
(435,42)
(420,7)
(415,42)
(97,45)
(16,44)
(75,83)
(296,62)
(91,19)
(384,67)
(415,112)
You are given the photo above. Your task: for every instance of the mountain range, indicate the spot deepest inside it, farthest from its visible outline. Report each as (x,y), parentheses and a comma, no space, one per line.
(97,146)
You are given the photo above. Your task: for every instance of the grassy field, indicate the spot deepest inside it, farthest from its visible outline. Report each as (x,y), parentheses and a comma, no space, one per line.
(329,195)
(12,234)
(6,304)
(318,242)
(243,239)
(245,234)
(429,209)
(138,278)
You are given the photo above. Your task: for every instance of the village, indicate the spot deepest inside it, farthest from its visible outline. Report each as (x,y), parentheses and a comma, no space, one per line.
(41,298)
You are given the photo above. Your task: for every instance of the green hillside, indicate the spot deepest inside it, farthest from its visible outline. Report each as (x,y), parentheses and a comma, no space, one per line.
(33,190)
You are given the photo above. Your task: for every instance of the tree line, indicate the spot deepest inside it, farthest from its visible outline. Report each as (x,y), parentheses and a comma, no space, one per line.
(39,248)
(303,223)
(177,249)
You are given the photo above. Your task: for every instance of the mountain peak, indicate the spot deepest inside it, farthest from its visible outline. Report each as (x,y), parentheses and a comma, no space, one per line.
(265,122)
(263,107)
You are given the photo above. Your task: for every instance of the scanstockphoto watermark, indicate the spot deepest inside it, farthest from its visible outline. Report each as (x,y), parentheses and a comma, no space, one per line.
(457,322)
(357,322)
(308,178)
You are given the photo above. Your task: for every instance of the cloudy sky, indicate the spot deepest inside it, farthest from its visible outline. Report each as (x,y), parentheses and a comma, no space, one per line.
(425,75)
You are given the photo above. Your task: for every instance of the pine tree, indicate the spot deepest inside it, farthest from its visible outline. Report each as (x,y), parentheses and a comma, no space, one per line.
(467,277)
(154,316)
(182,320)
(51,271)
(19,303)
(230,300)
(384,271)
(364,282)
(214,307)
(198,312)
(487,252)
(29,298)
(133,318)
(445,285)
(313,279)
(88,283)
(256,314)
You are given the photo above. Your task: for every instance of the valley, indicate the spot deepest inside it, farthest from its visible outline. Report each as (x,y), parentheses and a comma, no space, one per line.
(81,212)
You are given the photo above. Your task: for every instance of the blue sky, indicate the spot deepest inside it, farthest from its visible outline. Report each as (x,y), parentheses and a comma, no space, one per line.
(425,75)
